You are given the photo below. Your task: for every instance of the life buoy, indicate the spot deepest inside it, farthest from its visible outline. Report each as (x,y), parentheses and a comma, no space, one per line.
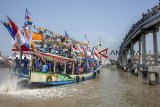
(49,79)
(77,78)
(94,74)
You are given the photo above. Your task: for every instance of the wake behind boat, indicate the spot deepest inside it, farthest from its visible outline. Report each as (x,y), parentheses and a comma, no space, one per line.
(45,57)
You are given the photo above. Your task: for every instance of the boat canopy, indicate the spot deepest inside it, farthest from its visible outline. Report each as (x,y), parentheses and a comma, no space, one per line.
(55,57)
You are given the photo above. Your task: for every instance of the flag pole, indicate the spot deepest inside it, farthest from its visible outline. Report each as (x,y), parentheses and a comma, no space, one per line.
(29,39)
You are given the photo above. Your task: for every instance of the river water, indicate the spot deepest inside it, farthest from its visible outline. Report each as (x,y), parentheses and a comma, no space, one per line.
(113,88)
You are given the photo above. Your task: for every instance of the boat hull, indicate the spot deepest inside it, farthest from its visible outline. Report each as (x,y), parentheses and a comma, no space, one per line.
(61,79)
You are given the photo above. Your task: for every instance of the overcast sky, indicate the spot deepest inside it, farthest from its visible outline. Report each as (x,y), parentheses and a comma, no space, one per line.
(110,19)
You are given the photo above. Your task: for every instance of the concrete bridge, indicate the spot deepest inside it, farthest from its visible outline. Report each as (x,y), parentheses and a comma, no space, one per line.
(149,23)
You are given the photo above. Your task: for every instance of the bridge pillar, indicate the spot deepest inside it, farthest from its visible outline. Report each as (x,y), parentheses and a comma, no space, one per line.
(143,48)
(140,51)
(121,61)
(155,45)
(132,52)
(125,57)
(124,54)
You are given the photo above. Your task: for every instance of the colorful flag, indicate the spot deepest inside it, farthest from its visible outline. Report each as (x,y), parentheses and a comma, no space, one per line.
(27,19)
(66,34)
(88,51)
(92,53)
(75,48)
(85,37)
(95,54)
(9,28)
(79,48)
(83,49)
(21,41)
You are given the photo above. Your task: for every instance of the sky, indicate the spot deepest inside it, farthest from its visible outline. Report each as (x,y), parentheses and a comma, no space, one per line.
(110,19)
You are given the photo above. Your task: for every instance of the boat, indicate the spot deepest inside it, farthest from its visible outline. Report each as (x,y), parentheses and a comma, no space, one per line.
(4,62)
(52,58)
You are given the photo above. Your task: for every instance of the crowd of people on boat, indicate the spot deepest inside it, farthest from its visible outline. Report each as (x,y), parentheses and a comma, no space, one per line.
(55,49)
(43,65)
(145,16)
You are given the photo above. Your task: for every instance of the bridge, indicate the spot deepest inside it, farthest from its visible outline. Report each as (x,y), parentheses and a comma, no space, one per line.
(149,23)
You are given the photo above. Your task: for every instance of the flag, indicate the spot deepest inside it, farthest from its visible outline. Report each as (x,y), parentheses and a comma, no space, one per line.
(9,28)
(75,48)
(21,41)
(83,49)
(92,53)
(66,34)
(100,43)
(27,19)
(88,52)
(85,36)
(95,53)
(79,48)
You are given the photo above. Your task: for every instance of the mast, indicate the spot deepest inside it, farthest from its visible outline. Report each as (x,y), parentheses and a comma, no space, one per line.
(100,43)
(100,47)
(28,23)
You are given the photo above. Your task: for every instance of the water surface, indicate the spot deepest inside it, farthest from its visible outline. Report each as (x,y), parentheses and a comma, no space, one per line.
(113,88)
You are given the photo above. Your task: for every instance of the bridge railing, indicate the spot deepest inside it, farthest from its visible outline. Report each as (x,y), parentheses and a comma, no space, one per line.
(154,17)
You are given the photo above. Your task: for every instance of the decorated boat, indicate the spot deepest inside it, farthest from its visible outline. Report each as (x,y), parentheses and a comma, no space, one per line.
(46,57)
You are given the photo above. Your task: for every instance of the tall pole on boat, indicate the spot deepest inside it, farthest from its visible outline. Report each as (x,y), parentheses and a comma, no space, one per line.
(65,67)
(87,41)
(100,43)
(21,53)
(28,24)
(54,66)
(100,46)
(73,68)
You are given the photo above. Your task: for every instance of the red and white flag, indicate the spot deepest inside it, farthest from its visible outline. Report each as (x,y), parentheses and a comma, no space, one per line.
(75,48)
(95,54)
(21,41)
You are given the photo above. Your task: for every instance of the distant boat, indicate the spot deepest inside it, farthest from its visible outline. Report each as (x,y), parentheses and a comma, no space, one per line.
(3,61)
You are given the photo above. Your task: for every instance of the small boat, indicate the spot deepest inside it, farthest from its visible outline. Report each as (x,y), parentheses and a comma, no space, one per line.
(4,61)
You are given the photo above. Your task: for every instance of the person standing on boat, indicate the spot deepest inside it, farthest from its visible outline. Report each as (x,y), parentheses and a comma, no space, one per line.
(37,64)
(52,66)
(44,67)
(25,62)
(85,67)
(17,61)
(77,68)
(49,65)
